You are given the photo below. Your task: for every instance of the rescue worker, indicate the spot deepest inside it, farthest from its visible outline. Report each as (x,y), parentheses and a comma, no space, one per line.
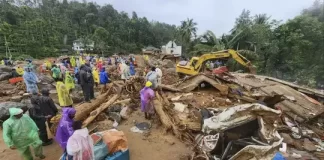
(80,144)
(86,81)
(56,72)
(132,69)
(20,132)
(104,78)
(69,81)
(152,77)
(63,94)
(159,76)
(124,71)
(64,129)
(30,80)
(147,96)
(2,62)
(72,61)
(47,105)
(20,71)
(95,75)
(39,117)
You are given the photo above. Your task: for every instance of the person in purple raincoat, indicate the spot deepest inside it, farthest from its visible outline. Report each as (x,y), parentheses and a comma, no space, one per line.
(147,96)
(64,129)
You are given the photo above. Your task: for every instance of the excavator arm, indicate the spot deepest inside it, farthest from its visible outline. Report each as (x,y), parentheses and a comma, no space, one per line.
(225,54)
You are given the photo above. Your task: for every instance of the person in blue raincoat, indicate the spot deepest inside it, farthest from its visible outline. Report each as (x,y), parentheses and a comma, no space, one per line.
(30,80)
(103,77)
(132,69)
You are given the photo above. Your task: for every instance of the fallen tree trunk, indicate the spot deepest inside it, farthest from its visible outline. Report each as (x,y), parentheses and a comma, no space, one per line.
(96,112)
(83,110)
(167,123)
(125,101)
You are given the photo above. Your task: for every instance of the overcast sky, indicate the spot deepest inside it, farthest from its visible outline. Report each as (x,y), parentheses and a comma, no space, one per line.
(216,15)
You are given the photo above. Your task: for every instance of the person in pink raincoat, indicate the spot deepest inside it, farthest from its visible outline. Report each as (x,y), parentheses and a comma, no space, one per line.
(80,144)
(147,96)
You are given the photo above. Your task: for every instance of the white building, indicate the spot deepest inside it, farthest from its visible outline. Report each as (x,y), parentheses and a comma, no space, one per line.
(78,45)
(172,48)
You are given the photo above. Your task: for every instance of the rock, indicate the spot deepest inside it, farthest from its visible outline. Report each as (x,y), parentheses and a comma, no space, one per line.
(27,102)
(5,76)
(287,138)
(44,79)
(5,69)
(16,98)
(4,108)
(308,145)
(168,63)
(125,112)
(21,92)
(26,95)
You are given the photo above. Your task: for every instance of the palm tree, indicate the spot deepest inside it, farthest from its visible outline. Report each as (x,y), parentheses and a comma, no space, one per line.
(188,30)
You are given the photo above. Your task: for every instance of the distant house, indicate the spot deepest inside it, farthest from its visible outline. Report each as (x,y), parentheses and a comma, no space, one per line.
(172,48)
(78,45)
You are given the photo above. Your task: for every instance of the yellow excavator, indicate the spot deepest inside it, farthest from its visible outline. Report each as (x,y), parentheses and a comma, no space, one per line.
(197,64)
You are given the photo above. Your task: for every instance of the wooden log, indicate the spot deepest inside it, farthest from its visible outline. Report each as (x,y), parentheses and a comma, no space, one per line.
(125,101)
(96,112)
(159,110)
(83,110)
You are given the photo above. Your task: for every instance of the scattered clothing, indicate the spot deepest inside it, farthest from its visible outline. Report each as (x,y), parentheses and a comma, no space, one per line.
(64,129)
(22,133)
(80,145)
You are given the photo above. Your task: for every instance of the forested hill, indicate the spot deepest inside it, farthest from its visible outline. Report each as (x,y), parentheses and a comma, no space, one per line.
(40,29)
(292,50)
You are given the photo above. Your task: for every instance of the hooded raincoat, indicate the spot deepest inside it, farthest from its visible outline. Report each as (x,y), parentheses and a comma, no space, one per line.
(104,78)
(69,81)
(30,80)
(63,95)
(95,75)
(20,71)
(64,130)
(80,145)
(132,69)
(22,133)
(72,61)
(146,95)
(124,70)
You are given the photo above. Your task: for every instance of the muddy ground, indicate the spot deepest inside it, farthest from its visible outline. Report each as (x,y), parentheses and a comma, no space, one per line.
(154,145)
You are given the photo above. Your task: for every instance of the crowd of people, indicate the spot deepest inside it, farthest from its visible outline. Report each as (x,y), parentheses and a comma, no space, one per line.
(21,131)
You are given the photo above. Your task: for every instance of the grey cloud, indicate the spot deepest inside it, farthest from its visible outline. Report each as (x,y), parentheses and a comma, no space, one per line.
(216,15)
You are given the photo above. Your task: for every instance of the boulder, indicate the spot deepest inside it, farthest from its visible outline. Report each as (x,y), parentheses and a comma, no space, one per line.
(21,92)
(5,69)
(5,76)
(16,98)
(44,79)
(308,145)
(26,95)
(4,108)
(168,63)
(27,102)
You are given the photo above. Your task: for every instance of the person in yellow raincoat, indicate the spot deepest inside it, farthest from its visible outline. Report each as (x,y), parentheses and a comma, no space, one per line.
(82,61)
(72,61)
(146,58)
(48,65)
(95,75)
(20,71)
(20,132)
(69,81)
(2,62)
(63,94)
